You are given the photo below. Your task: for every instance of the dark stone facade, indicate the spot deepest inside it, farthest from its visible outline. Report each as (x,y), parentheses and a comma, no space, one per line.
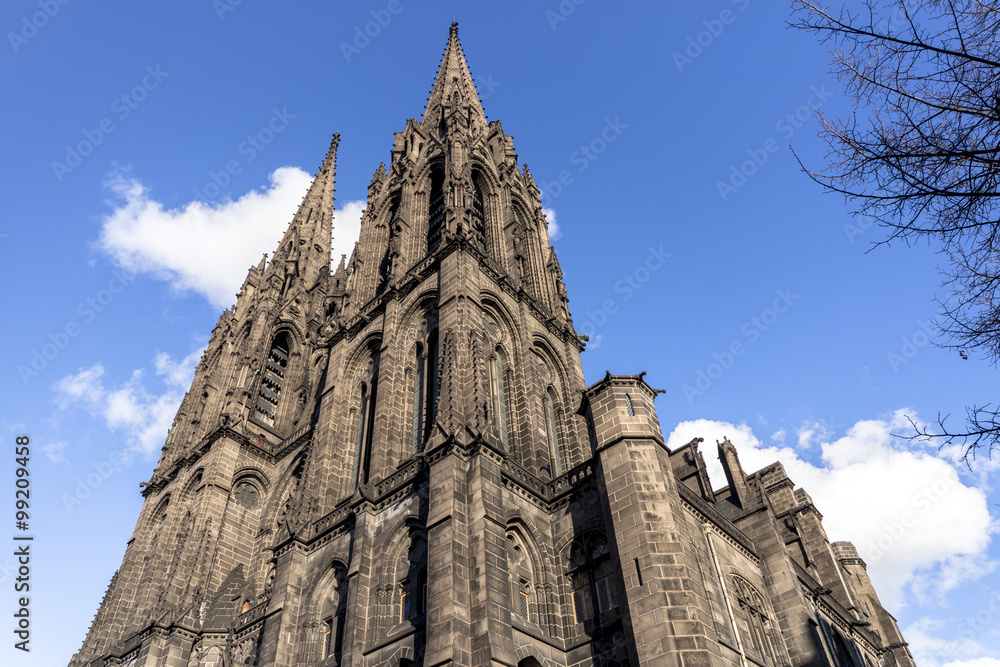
(396,462)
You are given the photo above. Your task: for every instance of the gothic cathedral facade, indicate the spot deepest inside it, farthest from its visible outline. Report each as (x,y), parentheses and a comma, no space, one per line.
(396,462)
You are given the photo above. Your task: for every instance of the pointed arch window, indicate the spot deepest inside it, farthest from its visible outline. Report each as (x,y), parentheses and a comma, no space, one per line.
(334,615)
(754,623)
(521,579)
(479,210)
(591,576)
(419,389)
(437,207)
(360,421)
(424,391)
(364,423)
(628,406)
(498,393)
(411,577)
(271,381)
(552,430)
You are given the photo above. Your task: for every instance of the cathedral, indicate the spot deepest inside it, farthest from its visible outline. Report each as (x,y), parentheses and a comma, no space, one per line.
(395,462)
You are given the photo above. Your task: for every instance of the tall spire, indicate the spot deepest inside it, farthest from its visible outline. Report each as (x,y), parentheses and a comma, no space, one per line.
(453,76)
(306,246)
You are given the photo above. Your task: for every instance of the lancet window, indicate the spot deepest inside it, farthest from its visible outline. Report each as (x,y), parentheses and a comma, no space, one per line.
(437,209)
(498,393)
(425,378)
(521,577)
(591,574)
(755,627)
(271,381)
(364,421)
(411,580)
(479,210)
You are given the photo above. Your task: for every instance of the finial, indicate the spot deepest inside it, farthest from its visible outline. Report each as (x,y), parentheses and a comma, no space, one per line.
(453,32)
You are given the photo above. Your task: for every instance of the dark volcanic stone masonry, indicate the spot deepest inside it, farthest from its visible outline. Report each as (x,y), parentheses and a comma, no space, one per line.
(395,462)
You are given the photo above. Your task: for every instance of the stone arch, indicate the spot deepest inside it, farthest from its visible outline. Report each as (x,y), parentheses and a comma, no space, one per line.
(410,315)
(592,571)
(552,397)
(433,159)
(358,357)
(281,492)
(402,656)
(494,305)
(161,509)
(402,577)
(325,615)
(528,590)
(755,621)
(528,657)
(192,483)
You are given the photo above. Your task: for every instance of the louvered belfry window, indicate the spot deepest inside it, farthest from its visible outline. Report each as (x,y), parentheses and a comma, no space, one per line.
(272,378)
(437,209)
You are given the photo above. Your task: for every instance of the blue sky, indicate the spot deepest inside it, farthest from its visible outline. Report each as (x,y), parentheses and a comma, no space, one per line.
(156,150)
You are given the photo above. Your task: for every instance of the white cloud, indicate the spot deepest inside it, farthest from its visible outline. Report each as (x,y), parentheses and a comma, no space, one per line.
(891,501)
(54,452)
(554,232)
(809,432)
(207,248)
(930,650)
(130,407)
(975,662)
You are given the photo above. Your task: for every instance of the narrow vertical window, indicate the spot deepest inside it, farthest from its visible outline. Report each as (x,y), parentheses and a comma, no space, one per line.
(369,432)
(628,406)
(419,387)
(552,431)
(359,434)
(269,391)
(327,637)
(432,381)
(478,211)
(437,206)
(522,601)
(592,576)
(520,571)
(498,389)
(411,576)
(421,591)
(404,601)
(604,586)
(338,643)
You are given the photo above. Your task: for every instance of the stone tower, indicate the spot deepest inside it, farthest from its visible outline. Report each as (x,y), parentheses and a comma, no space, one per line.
(396,462)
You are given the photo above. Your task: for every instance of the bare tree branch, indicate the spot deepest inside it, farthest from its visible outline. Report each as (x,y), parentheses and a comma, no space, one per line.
(924,159)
